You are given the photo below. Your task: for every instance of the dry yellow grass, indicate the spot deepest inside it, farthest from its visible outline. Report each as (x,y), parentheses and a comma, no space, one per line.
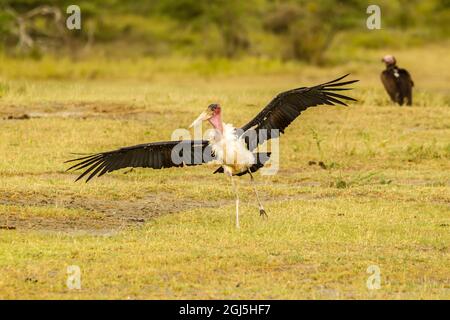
(383,199)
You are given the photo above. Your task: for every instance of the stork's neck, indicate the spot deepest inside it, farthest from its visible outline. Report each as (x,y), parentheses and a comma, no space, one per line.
(216,122)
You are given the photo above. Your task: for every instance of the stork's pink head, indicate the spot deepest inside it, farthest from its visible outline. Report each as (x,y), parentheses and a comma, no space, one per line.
(214,109)
(389,60)
(212,114)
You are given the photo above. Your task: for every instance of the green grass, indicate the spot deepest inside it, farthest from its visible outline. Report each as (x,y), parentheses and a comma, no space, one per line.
(308,249)
(383,199)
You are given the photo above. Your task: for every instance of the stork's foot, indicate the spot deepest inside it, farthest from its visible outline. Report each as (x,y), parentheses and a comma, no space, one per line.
(262,213)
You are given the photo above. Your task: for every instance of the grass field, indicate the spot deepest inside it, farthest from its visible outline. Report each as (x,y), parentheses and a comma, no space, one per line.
(382,199)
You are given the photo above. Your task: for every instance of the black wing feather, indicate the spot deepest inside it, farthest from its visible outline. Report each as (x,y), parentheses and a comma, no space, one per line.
(287,106)
(154,155)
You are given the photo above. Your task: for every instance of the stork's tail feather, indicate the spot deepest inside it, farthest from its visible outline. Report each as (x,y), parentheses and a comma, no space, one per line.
(261,159)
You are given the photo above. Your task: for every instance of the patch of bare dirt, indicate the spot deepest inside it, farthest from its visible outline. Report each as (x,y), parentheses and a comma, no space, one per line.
(107,215)
(24,116)
(81,110)
(111,216)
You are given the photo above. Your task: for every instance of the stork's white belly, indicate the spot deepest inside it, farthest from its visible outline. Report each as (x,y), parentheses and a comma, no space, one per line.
(231,152)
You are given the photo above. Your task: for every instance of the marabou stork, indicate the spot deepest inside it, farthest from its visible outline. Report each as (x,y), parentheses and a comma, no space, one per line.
(232,148)
(396,81)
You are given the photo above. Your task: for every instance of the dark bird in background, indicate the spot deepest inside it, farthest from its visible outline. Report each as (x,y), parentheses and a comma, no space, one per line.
(397,81)
(231,148)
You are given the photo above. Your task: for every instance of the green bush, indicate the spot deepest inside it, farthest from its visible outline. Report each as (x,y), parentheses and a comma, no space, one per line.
(293,29)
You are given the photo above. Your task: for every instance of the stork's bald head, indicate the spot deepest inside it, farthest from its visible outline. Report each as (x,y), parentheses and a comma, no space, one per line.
(212,112)
(214,108)
(389,60)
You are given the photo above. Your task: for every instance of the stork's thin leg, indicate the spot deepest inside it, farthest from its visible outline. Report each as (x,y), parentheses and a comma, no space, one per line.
(237,200)
(262,212)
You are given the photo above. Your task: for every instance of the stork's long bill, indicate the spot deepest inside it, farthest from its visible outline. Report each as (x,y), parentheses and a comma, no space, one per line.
(232,148)
(213,114)
(202,117)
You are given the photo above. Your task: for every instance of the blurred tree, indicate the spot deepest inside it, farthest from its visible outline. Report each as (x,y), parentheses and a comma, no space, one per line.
(227,16)
(291,29)
(308,27)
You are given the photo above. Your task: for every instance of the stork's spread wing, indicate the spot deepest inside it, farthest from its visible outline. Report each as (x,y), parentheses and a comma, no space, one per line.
(287,106)
(155,155)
